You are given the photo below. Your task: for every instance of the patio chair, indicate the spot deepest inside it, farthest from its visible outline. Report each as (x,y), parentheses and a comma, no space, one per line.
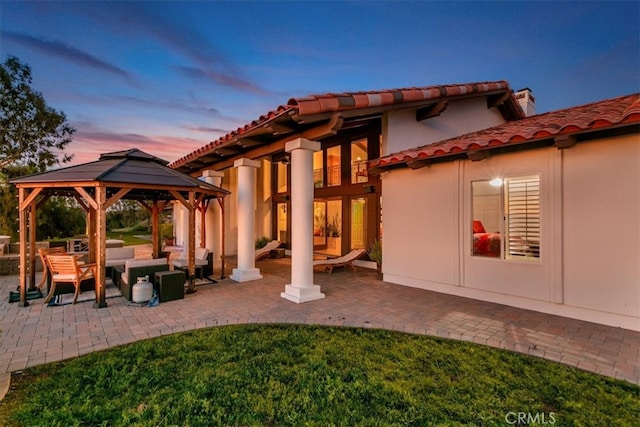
(202,262)
(65,269)
(43,253)
(343,261)
(264,251)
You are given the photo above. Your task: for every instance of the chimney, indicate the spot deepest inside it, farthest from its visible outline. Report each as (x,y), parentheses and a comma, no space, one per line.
(527,101)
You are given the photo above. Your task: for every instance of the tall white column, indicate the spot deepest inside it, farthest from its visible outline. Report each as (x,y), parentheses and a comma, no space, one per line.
(246,193)
(212,217)
(302,288)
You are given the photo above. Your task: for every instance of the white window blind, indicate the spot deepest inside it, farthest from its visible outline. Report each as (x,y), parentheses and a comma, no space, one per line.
(523,217)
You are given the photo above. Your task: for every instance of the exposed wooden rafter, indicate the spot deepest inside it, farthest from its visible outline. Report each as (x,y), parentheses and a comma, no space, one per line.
(430,111)
(249,142)
(564,141)
(227,151)
(418,163)
(477,155)
(498,100)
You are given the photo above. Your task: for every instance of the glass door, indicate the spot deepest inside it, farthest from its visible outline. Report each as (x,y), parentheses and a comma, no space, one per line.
(358,223)
(327,226)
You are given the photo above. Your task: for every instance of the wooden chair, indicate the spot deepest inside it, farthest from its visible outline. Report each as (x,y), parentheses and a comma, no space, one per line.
(60,250)
(343,261)
(65,269)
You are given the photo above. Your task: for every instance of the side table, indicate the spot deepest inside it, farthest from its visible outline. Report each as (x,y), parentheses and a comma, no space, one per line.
(170,285)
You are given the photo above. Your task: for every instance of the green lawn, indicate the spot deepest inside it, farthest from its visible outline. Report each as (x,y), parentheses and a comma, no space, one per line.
(288,375)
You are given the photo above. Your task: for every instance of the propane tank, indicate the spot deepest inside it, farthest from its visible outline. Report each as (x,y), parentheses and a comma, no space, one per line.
(142,290)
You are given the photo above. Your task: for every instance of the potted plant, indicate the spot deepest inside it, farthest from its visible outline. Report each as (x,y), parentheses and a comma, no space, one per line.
(375,254)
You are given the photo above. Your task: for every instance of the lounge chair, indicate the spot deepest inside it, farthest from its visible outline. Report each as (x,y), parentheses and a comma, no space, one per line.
(264,251)
(343,261)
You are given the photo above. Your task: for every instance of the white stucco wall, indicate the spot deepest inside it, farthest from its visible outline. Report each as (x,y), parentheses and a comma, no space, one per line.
(590,243)
(602,225)
(401,131)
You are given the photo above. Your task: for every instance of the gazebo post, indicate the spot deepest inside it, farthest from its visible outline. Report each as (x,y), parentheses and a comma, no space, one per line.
(32,245)
(192,242)
(22,220)
(91,225)
(101,253)
(155,230)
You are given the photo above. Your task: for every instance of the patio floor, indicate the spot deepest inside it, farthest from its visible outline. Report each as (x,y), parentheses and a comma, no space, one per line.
(40,334)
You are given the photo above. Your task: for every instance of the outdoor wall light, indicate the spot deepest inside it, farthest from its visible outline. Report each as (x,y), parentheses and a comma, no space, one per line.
(496,182)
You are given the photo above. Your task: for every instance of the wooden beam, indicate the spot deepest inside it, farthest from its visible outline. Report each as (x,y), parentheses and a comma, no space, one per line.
(155,229)
(29,199)
(24,232)
(227,151)
(119,195)
(498,99)
(81,202)
(32,245)
(327,129)
(564,141)
(418,163)
(40,202)
(192,244)
(179,198)
(276,128)
(430,111)
(144,204)
(249,142)
(477,155)
(87,197)
(101,254)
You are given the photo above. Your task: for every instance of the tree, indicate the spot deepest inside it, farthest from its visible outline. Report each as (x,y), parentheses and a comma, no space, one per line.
(32,135)
(31,132)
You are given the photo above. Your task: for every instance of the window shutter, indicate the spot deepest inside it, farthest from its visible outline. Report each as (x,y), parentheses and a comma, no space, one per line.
(523,217)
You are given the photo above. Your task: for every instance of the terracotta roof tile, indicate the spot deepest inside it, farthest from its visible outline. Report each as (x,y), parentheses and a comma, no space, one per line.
(598,115)
(327,103)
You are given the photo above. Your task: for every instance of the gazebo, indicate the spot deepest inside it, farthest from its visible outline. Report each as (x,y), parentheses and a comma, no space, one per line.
(130,174)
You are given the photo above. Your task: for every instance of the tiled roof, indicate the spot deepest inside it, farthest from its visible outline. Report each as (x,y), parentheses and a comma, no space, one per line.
(345,101)
(298,109)
(609,113)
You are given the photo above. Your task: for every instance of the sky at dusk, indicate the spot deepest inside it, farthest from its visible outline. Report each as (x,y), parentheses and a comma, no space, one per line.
(169,77)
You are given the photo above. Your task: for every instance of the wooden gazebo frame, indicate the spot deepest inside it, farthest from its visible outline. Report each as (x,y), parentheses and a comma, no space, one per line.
(132,175)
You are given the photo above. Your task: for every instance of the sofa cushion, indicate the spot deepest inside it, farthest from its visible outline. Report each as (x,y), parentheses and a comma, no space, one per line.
(118,256)
(140,264)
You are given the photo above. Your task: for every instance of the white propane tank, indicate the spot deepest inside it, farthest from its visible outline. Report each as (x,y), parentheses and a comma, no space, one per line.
(142,290)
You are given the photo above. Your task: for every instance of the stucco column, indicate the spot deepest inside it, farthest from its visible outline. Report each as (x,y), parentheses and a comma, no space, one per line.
(212,217)
(302,288)
(246,193)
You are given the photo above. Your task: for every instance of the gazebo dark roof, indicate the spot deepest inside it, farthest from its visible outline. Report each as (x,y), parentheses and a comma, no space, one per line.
(132,167)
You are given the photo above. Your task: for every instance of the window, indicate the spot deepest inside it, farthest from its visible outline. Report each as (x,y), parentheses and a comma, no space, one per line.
(359,161)
(507,207)
(333,166)
(281,177)
(318,170)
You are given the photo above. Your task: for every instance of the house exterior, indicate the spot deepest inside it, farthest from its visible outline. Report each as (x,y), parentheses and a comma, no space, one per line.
(541,213)
(468,195)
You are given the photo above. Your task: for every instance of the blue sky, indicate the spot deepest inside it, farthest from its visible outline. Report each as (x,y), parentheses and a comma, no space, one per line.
(169,77)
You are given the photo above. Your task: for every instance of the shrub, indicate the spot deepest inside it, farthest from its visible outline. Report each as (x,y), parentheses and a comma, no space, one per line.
(262,242)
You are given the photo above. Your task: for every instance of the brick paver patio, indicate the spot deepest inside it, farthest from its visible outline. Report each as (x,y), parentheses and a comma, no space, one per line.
(39,334)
